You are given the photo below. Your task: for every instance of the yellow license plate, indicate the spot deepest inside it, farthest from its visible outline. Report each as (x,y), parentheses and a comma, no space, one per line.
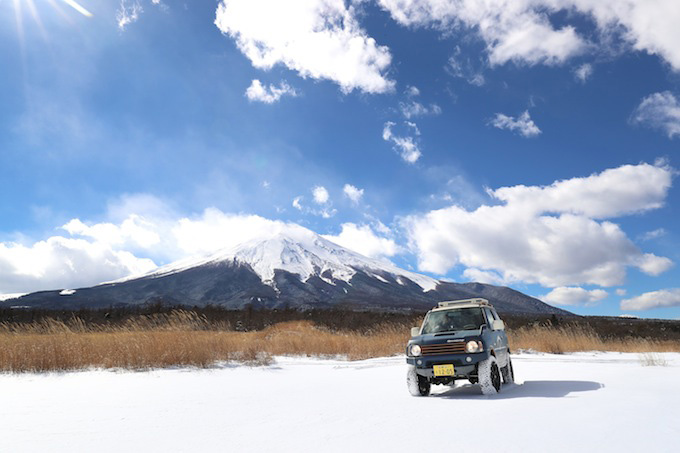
(443,370)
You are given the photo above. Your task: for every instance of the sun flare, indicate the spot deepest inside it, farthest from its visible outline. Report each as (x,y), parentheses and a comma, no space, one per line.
(73,4)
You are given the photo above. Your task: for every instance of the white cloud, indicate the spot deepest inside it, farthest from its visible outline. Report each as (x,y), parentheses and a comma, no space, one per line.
(489,277)
(134,229)
(405,145)
(523,125)
(412,109)
(321,39)
(620,292)
(268,94)
(326,213)
(583,72)
(654,234)
(614,192)
(659,111)
(353,193)
(320,195)
(649,26)
(128,13)
(653,299)
(574,296)
(60,262)
(461,67)
(652,265)
(522,31)
(412,91)
(214,230)
(513,30)
(362,239)
(547,235)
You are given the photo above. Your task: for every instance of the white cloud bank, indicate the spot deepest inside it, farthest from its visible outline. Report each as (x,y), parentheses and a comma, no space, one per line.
(523,124)
(362,239)
(92,253)
(268,94)
(522,31)
(549,235)
(574,296)
(320,39)
(659,111)
(61,262)
(654,299)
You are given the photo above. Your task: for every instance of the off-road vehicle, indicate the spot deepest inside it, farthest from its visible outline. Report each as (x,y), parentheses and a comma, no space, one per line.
(459,339)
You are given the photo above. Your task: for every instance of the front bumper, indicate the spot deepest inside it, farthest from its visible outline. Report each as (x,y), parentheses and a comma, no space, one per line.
(462,367)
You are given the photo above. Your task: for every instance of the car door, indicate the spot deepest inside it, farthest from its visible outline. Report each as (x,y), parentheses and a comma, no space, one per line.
(499,339)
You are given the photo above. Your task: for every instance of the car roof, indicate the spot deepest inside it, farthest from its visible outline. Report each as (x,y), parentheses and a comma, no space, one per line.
(462,303)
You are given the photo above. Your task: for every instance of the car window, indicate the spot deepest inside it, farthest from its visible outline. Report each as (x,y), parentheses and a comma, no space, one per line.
(492,314)
(451,320)
(487,316)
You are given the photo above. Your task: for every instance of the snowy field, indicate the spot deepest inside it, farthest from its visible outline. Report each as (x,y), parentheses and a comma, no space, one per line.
(577,402)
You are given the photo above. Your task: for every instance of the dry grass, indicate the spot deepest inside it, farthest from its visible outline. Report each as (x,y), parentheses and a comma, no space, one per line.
(184,338)
(558,340)
(178,338)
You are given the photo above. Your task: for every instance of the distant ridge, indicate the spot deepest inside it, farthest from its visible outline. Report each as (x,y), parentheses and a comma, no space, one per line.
(292,268)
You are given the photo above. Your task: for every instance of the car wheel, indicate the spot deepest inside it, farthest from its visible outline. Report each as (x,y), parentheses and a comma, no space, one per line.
(489,376)
(417,385)
(508,373)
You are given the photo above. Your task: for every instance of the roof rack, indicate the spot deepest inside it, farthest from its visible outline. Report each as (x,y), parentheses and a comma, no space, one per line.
(453,303)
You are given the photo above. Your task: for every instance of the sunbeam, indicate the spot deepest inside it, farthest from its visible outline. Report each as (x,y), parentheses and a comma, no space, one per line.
(73,4)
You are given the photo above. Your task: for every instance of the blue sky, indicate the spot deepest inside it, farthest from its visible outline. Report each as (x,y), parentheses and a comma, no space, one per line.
(531,143)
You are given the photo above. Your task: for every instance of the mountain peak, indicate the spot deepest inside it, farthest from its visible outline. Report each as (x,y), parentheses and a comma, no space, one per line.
(298,250)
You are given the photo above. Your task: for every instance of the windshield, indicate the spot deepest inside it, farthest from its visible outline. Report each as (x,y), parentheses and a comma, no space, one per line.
(450,320)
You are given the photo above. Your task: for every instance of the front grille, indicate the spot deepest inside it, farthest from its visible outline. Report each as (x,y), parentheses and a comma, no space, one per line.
(444,348)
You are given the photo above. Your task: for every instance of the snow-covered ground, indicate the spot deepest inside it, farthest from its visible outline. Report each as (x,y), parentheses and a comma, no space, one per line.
(577,402)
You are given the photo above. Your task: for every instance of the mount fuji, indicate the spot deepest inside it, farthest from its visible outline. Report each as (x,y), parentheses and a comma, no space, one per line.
(290,267)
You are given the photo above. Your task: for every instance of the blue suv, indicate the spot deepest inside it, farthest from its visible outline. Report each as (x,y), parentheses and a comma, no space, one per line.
(459,339)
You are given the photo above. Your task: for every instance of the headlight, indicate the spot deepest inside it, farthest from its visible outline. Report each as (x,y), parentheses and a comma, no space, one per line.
(415,350)
(474,346)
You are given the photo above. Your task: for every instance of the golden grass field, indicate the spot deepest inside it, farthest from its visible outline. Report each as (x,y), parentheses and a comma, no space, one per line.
(184,338)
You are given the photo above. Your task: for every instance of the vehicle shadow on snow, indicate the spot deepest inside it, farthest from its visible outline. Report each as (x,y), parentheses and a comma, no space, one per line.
(528,389)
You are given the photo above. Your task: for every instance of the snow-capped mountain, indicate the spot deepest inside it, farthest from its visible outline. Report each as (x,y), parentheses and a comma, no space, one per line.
(290,267)
(299,251)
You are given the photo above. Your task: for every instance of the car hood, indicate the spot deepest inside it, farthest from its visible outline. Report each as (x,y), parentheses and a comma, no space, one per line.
(434,338)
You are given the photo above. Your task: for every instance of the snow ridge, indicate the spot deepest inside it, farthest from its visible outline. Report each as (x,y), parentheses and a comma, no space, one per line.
(300,251)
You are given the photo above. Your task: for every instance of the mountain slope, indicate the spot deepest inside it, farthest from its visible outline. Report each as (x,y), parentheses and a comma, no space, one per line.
(288,268)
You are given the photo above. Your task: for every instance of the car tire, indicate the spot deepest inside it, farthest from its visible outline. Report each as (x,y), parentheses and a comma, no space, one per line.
(417,385)
(489,376)
(508,373)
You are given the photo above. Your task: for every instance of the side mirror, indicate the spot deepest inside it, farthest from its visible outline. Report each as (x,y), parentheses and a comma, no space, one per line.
(498,325)
(415,331)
